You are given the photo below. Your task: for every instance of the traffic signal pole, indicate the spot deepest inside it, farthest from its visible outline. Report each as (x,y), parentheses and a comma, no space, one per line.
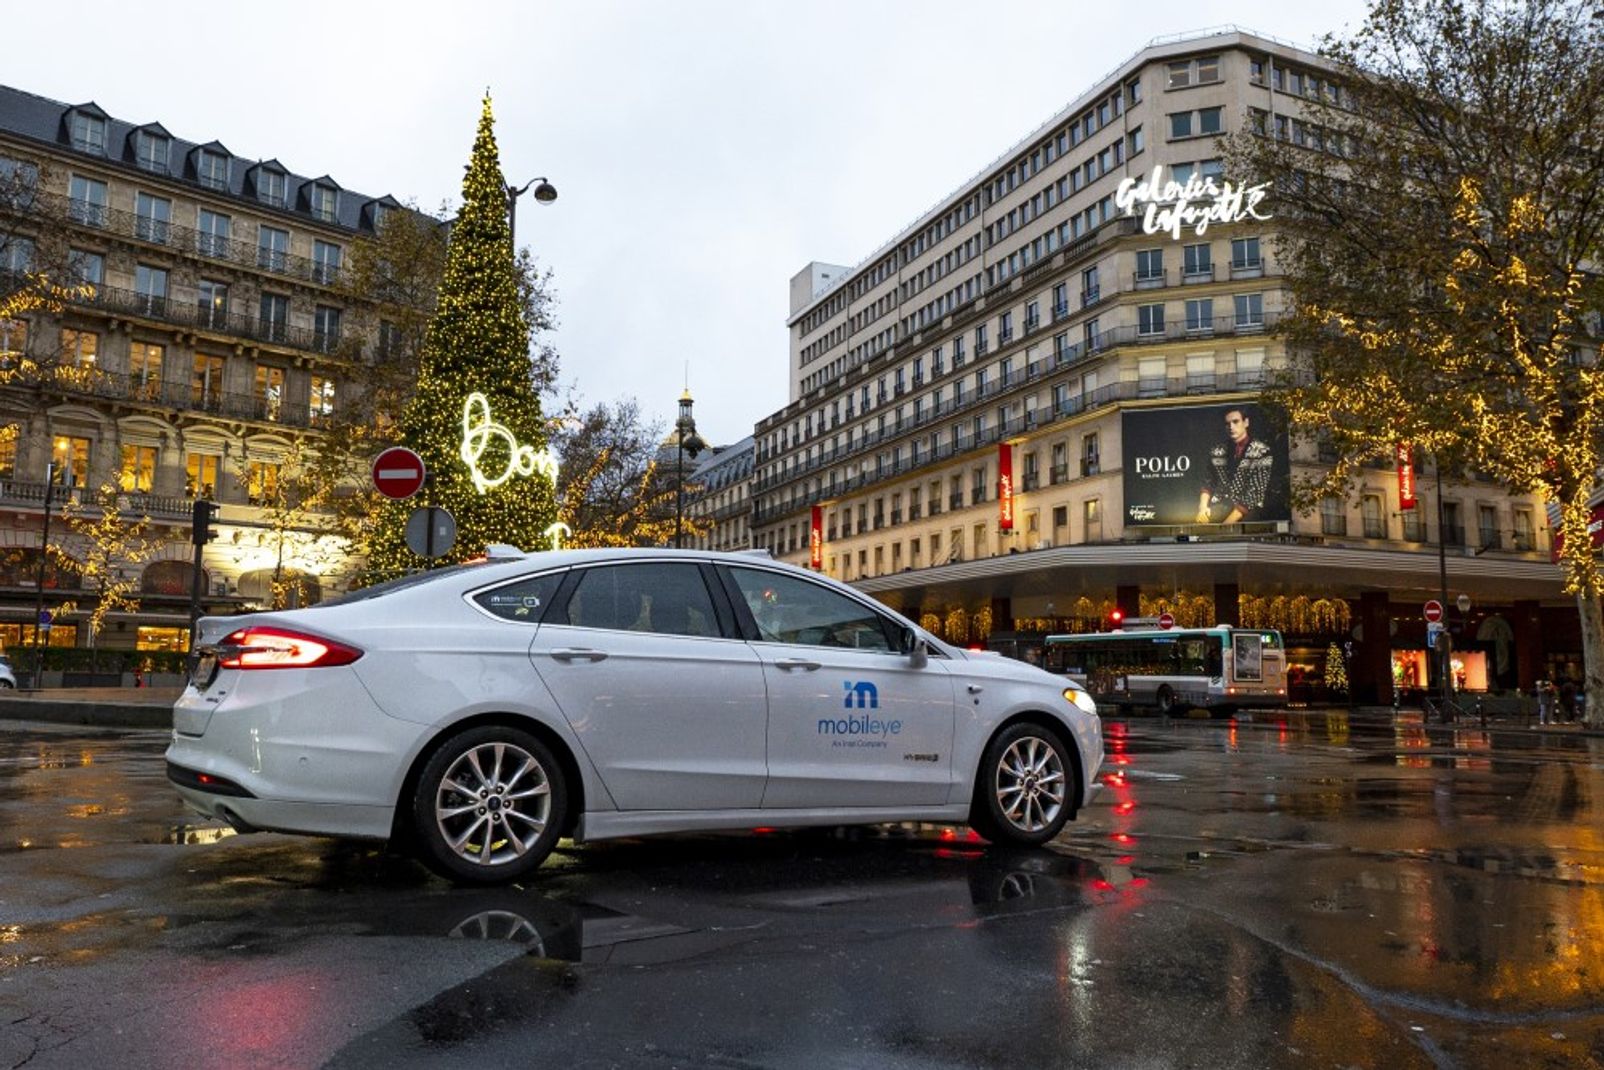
(200,534)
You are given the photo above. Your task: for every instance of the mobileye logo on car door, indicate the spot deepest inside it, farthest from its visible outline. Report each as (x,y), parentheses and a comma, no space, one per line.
(859,731)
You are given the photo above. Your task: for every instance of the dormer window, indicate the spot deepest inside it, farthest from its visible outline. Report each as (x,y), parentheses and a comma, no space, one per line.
(271,187)
(88,133)
(323,203)
(211,170)
(150,150)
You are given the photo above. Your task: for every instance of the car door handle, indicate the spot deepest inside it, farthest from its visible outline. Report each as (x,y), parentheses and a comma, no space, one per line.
(578,653)
(975,689)
(796,663)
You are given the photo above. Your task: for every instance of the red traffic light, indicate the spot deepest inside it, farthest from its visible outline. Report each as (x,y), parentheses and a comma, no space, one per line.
(1116,618)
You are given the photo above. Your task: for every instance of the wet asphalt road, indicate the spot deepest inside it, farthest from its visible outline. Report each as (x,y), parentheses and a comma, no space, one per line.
(1320,892)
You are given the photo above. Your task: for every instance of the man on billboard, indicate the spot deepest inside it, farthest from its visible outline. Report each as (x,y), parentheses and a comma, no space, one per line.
(1237,480)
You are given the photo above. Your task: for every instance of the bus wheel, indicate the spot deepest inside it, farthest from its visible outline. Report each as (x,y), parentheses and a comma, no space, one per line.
(1166,700)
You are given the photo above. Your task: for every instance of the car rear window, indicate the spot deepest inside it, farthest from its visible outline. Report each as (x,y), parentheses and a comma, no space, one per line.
(379,590)
(523,600)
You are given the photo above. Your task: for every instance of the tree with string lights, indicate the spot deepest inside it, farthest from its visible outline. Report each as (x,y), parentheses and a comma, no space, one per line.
(1439,224)
(475,418)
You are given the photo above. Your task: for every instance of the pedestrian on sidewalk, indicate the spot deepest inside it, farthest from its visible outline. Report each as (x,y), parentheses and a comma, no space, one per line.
(1545,702)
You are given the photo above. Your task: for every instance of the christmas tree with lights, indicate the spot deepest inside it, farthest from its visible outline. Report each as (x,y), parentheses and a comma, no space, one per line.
(1336,669)
(475,418)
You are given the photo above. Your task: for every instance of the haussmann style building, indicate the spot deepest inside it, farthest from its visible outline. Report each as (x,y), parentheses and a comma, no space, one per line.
(208,338)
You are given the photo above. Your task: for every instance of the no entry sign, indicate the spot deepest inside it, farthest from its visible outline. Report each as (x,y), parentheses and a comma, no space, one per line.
(398,473)
(1166,620)
(1432,611)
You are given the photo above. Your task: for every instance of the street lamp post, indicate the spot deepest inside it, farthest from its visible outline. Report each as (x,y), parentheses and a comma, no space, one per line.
(545,193)
(686,442)
(1444,668)
(39,576)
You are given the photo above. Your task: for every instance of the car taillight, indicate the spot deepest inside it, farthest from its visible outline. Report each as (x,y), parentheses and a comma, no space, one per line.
(280,648)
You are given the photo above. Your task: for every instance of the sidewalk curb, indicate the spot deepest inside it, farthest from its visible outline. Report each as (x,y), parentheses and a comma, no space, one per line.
(94,714)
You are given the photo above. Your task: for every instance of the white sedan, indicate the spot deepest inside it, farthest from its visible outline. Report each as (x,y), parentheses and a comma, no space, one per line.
(482,711)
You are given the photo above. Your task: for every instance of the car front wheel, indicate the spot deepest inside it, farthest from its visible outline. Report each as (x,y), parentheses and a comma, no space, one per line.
(489,806)
(1025,790)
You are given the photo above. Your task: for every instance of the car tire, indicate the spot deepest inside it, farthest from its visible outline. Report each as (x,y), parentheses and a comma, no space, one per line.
(1165,700)
(490,805)
(7,685)
(1026,787)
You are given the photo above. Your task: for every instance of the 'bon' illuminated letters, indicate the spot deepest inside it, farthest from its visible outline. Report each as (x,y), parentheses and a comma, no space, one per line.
(479,430)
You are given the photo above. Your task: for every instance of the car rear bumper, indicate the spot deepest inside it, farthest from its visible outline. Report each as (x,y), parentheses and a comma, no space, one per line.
(246,814)
(292,750)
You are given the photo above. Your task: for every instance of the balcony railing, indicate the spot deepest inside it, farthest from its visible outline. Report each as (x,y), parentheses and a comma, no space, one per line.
(1192,275)
(186,396)
(205,317)
(29,493)
(180,238)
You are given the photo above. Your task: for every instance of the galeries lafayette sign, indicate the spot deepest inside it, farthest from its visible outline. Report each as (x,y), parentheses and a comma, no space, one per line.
(1173,207)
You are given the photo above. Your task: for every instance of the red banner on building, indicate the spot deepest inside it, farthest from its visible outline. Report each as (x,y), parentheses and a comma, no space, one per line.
(816,538)
(1595,530)
(1406,476)
(1005,486)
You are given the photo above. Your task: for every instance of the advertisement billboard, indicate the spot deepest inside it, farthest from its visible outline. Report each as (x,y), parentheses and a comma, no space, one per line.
(1205,464)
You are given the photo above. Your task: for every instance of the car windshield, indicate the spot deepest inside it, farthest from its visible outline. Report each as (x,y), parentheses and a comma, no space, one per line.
(379,590)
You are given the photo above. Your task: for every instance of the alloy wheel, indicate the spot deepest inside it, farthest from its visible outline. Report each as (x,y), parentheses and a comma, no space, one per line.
(1030,784)
(493,803)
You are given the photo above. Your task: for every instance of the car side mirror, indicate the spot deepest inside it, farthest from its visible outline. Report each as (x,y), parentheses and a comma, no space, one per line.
(914,645)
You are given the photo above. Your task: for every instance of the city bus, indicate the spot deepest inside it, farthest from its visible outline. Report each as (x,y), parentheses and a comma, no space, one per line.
(1174,669)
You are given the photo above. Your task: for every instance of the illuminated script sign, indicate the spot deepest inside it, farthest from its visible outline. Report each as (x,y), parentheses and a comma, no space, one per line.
(479,431)
(1405,457)
(1172,206)
(1005,487)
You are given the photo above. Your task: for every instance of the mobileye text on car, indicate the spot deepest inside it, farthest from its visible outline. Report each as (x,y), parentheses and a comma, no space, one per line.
(480,712)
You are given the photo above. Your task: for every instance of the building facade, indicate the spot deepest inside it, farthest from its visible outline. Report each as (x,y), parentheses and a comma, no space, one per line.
(721,501)
(1040,402)
(206,342)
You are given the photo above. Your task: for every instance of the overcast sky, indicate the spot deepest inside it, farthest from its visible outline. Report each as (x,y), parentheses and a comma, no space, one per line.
(703,150)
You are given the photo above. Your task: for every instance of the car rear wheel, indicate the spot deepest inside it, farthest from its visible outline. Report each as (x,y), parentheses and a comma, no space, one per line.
(1026,789)
(489,806)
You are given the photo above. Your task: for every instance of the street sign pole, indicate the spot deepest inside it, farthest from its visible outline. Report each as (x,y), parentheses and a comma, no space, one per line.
(428,538)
